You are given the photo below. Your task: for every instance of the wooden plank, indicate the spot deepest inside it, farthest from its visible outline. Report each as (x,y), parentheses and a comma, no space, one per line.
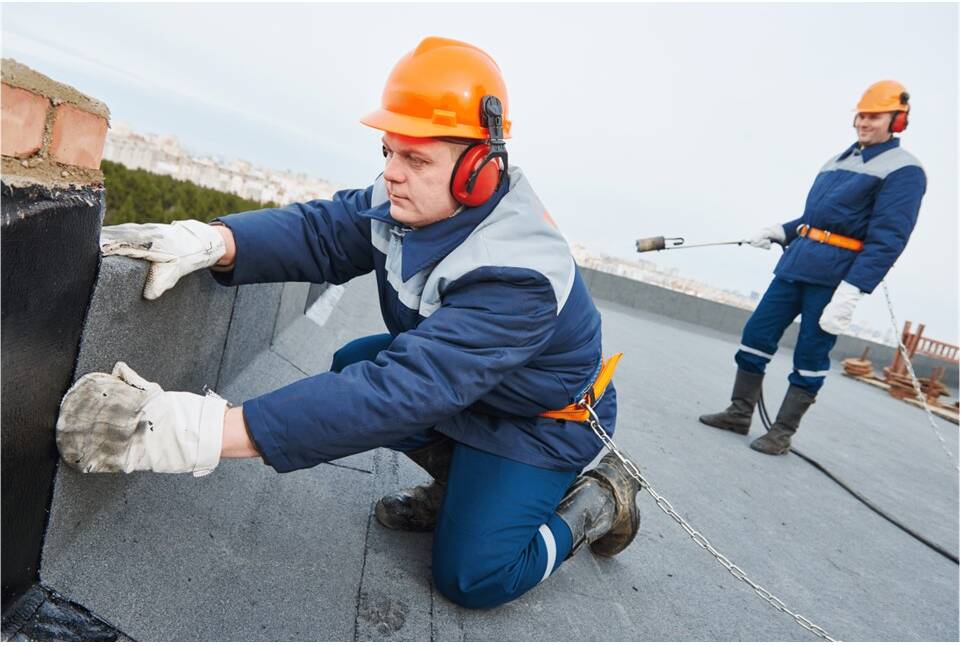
(942,411)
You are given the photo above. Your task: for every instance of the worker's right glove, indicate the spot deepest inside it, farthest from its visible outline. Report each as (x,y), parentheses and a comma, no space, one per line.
(122,422)
(763,239)
(173,250)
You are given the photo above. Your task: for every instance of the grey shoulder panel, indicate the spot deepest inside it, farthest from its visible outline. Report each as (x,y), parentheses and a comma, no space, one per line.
(881,166)
(518,233)
(891,161)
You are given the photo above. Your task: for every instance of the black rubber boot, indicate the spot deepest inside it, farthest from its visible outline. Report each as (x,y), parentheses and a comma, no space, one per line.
(738,416)
(778,441)
(416,509)
(600,508)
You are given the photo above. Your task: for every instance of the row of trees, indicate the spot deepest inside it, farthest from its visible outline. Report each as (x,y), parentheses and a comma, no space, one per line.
(141,196)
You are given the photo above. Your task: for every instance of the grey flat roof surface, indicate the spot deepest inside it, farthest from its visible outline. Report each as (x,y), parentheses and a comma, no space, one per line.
(247,554)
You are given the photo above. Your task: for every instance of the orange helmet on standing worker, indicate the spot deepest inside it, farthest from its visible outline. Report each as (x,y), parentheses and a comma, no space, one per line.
(884,96)
(436,91)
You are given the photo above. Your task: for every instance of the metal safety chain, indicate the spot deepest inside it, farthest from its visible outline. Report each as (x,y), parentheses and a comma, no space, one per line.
(695,535)
(915,382)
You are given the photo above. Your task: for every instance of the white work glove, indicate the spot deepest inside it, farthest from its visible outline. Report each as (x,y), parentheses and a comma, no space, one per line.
(837,315)
(173,250)
(122,422)
(763,239)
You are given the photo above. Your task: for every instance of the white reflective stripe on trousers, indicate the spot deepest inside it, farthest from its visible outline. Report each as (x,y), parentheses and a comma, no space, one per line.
(745,348)
(812,373)
(551,548)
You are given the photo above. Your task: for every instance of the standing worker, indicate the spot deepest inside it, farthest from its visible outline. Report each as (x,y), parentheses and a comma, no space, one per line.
(492,340)
(857,220)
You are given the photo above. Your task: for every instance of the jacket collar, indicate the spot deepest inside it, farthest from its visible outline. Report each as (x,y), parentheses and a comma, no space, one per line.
(426,246)
(869,152)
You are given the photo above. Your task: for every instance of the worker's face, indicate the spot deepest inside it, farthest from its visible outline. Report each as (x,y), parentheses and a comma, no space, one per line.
(873,127)
(417,172)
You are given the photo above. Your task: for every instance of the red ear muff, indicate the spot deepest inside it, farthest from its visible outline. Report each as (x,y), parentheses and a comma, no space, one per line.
(899,122)
(486,179)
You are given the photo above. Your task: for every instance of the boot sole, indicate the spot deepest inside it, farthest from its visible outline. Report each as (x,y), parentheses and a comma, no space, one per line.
(390,521)
(739,430)
(779,452)
(411,510)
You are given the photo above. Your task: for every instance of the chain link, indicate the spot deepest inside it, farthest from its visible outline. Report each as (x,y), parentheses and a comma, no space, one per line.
(915,382)
(694,534)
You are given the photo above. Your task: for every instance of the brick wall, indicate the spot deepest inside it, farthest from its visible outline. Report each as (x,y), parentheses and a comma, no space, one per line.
(52,134)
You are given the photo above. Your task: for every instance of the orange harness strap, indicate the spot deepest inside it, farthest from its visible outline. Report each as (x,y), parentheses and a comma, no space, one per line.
(829,238)
(578,413)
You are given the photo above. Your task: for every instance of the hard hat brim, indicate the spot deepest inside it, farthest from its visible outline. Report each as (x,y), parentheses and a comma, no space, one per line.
(403,124)
(878,110)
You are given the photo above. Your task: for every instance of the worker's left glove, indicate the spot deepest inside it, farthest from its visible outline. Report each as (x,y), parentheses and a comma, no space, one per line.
(173,250)
(837,315)
(763,239)
(122,422)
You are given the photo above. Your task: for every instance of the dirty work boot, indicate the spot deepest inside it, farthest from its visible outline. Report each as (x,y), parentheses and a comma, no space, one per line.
(738,416)
(779,440)
(600,508)
(416,509)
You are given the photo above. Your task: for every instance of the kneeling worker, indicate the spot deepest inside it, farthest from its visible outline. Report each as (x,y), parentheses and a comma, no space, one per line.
(493,337)
(857,220)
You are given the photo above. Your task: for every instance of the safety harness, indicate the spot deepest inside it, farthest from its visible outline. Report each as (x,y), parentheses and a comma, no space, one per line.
(578,412)
(829,238)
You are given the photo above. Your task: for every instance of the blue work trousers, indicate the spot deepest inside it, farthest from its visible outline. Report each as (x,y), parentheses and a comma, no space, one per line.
(782,302)
(498,534)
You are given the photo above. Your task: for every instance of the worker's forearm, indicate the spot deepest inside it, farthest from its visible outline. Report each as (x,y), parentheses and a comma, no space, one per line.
(237,441)
(226,261)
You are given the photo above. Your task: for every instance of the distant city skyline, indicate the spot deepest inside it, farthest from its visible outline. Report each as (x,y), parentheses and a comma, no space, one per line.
(166,155)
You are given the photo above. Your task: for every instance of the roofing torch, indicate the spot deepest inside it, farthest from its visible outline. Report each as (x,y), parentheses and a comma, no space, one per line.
(659,243)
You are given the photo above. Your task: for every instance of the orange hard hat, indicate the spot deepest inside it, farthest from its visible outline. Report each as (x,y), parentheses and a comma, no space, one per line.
(884,96)
(436,91)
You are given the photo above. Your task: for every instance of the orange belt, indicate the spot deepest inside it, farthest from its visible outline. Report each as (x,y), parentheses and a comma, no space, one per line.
(827,237)
(578,413)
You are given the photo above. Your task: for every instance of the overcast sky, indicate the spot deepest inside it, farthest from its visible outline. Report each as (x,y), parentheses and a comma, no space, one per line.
(702,121)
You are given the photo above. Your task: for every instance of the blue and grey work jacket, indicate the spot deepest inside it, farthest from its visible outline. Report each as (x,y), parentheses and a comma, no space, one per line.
(872,195)
(492,325)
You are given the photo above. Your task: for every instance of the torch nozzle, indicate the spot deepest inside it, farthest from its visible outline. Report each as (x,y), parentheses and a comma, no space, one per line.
(650,244)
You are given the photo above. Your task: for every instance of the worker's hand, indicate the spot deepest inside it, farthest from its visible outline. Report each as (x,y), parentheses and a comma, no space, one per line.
(837,315)
(763,239)
(173,250)
(122,422)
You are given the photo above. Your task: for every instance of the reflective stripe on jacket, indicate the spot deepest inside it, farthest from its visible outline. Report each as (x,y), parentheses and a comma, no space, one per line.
(871,195)
(492,324)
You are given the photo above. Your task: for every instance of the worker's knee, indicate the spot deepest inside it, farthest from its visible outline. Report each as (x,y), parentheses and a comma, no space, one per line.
(466,583)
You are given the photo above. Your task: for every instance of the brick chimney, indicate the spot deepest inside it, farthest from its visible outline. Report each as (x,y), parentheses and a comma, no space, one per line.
(52,134)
